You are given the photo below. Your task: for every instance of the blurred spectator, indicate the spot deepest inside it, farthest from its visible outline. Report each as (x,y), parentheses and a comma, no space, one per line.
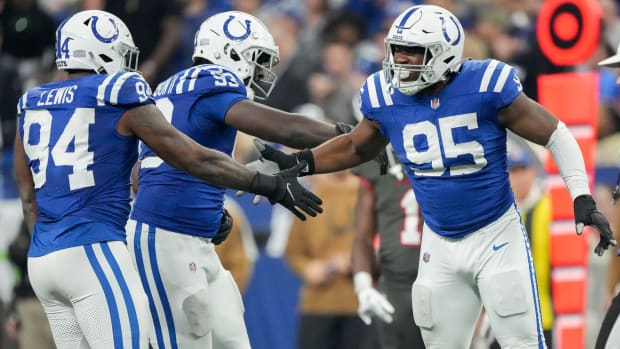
(291,90)
(27,40)
(332,88)
(319,251)
(28,321)
(156,29)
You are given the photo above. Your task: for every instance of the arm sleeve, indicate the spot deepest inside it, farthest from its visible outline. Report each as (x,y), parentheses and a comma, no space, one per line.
(568,157)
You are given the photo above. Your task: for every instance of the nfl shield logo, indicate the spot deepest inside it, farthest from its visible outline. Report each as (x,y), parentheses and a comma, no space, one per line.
(192,267)
(435,103)
(426,256)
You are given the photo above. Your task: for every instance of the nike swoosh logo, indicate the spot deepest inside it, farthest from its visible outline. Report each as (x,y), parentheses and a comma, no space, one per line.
(288,189)
(497,247)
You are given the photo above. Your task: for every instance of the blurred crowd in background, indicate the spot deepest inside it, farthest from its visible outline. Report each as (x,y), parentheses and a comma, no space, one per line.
(327,49)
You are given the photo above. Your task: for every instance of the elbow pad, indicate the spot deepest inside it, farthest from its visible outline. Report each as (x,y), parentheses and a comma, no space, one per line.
(568,157)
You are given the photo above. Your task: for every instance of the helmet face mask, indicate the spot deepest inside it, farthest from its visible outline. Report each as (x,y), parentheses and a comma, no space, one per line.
(241,43)
(432,29)
(97,41)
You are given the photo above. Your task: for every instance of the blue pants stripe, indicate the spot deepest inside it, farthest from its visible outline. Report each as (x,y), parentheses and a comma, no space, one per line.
(131,308)
(109,295)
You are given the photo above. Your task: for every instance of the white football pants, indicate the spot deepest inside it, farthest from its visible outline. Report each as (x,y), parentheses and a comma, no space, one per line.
(491,267)
(194,301)
(92,296)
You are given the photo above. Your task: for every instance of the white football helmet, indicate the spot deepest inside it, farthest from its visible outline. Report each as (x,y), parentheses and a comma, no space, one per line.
(241,43)
(432,28)
(95,40)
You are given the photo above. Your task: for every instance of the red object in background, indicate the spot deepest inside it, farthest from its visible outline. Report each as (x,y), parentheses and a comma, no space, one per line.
(568,30)
(572,97)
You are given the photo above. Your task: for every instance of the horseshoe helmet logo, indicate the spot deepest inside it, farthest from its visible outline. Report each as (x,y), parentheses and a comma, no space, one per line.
(243,36)
(93,27)
(445,31)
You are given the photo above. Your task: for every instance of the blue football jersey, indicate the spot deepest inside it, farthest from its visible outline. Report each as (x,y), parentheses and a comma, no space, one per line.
(195,101)
(79,162)
(451,144)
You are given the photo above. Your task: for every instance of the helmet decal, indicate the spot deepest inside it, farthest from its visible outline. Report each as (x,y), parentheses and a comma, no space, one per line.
(62,46)
(93,27)
(244,36)
(406,17)
(445,32)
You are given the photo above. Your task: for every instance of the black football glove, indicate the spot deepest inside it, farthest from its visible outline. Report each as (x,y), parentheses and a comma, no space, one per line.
(382,158)
(284,160)
(284,189)
(225,228)
(586,213)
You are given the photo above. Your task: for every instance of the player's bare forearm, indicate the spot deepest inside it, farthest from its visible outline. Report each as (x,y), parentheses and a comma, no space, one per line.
(217,169)
(365,227)
(25,184)
(274,125)
(364,143)
(182,152)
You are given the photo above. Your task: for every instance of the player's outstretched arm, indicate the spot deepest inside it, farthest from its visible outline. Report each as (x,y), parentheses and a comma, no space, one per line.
(274,125)
(364,143)
(25,183)
(213,166)
(532,121)
(293,130)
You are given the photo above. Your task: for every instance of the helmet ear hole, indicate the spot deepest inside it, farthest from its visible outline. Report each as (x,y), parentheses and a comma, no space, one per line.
(105,58)
(235,57)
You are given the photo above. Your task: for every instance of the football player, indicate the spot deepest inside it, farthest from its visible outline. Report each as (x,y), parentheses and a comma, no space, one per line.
(447,120)
(232,64)
(386,206)
(76,145)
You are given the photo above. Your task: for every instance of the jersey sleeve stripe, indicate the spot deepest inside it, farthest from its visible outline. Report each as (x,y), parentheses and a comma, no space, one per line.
(116,88)
(182,81)
(102,88)
(486,77)
(503,76)
(372,92)
(384,90)
(192,81)
(22,103)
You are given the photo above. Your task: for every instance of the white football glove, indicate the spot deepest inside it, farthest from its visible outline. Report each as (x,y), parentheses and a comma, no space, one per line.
(263,166)
(371,302)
